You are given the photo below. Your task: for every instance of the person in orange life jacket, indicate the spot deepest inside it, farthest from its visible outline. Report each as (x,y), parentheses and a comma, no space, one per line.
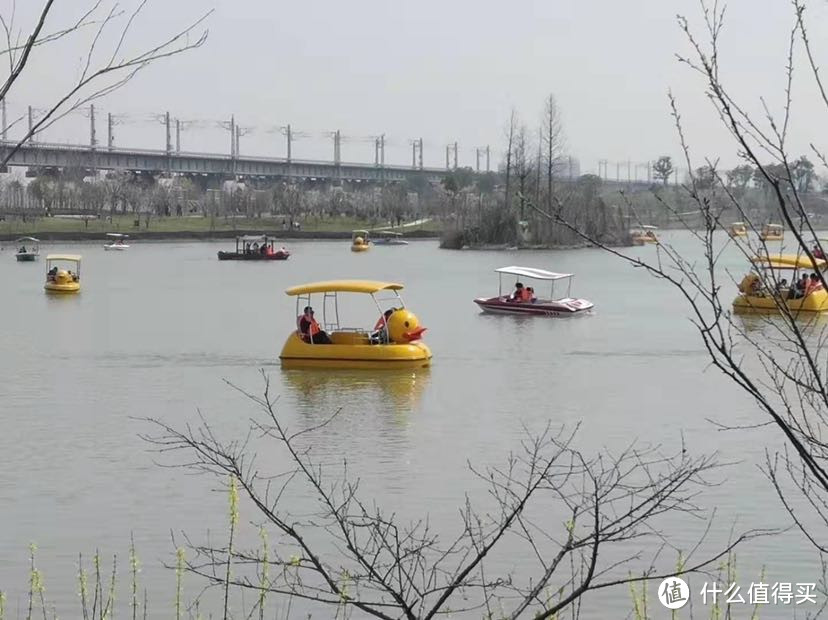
(310,330)
(380,333)
(530,295)
(520,294)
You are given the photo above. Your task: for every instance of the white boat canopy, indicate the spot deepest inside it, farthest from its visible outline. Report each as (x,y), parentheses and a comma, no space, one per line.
(648,227)
(531,272)
(32,239)
(74,258)
(117,235)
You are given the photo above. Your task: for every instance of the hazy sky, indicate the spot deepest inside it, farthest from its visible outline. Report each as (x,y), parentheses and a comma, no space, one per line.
(440,70)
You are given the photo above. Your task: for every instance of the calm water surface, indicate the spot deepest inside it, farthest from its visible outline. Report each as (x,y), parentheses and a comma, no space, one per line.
(157,330)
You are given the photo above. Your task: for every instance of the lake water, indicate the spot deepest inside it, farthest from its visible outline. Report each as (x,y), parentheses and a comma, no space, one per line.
(157,330)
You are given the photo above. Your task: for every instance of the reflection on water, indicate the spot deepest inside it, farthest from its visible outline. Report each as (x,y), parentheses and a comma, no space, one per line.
(321,389)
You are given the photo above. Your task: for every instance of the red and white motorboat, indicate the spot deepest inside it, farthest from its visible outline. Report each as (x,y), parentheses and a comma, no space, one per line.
(538,306)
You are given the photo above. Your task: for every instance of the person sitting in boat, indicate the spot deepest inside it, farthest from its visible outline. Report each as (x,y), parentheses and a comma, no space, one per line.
(817,252)
(22,249)
(531,295)
(798,289)
(813,284)
(309,329)
(51,274)
(380,333)
(520,294)
(782,287)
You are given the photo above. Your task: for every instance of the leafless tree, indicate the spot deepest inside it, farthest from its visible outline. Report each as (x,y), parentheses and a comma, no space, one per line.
(107,65)
(578,522)
(777,359)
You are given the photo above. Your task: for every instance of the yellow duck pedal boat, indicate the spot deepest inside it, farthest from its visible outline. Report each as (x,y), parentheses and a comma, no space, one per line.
(62,280)
(360,241)
(772,232)
(755,295)
(737,229)
(394,341)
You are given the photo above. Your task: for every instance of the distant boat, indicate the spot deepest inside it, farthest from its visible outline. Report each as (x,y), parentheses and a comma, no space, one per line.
(118,242)
(387,237)
(255,247)
(27,254)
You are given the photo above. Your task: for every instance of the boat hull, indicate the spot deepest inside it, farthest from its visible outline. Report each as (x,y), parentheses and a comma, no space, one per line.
(26,257)
(112,246)
(234,256)
(643,240)
(814,303)
(353,352)
(390,242)
(62,288)
(548,308)
(771,237)
(357,247)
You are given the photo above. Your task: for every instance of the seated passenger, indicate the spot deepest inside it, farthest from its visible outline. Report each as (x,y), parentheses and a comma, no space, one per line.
(782,286)
(813,284)
(800,287)
(519,294)
(50,275)
(530,294)
(817,252)
(22,249)
(309,329)
(380,333)
(265,250)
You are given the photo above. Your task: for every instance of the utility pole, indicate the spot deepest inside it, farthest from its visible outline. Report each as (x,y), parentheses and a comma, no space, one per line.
(455,156)
(488,159)
(288,143)
(382,150)
(177,136)
(336,148)
(110,137)
(617,172)
(5,120)
(92,140)
(31,124)
(448,164)
(376,152)
(238,140)
(414,154)
(477,158)
(169,134)
(421,153)
(233,137)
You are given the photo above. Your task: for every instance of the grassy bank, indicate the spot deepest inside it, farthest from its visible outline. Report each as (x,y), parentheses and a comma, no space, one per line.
(193,227)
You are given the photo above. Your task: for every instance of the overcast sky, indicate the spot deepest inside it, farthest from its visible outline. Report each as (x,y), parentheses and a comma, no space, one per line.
(441,70)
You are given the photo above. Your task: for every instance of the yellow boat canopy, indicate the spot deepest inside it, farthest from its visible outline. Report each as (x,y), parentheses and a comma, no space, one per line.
(789,261)
(344,286)
(75,258)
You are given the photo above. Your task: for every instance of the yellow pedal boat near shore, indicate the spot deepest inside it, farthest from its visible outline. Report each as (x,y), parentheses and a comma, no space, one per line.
(393,342)
(770,288)
(62,280)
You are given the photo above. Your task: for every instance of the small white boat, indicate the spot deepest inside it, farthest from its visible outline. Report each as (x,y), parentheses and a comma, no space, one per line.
(387,237)
(530,305)
(118,242)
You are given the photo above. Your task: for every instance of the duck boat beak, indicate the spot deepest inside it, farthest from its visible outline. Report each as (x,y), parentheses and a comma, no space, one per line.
(414,334)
